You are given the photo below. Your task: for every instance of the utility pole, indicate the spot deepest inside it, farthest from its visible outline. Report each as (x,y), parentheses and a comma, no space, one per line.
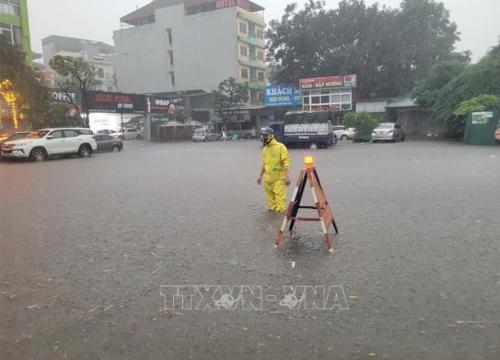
(120,106)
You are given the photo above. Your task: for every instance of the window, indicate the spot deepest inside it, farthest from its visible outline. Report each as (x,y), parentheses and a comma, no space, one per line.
(85,132)
(169,35)
(335,99)
(261,76)
(171,57)
(345,98)
(243,28)
(196,9)
(56,134)
(243,50)
(70,133)
(260,55)
(327,99)
(260,34)
(6,30)
(172,78)
(100,72)
(18,35)
(9,9)
(244,73)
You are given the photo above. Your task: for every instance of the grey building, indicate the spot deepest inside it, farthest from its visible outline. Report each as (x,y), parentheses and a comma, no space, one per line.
(95,52)
(190,46)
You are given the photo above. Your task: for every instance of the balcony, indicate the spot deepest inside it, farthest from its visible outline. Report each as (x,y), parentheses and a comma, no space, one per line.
(253,63)
(256,18)
(252,40)
(255,85)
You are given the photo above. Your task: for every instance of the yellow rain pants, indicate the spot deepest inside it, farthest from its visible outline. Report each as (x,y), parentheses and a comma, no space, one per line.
(275,161)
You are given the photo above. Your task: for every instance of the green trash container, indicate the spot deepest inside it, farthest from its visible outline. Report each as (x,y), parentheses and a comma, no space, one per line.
(480,128)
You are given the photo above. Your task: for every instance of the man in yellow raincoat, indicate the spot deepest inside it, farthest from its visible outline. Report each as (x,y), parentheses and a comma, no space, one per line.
(274,172)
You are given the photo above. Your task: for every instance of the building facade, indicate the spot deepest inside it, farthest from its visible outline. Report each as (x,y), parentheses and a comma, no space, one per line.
(95,52)
(182,46)
(330,93)
(14,24)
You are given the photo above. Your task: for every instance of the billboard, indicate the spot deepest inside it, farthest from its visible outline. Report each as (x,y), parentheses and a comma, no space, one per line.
(337,81)
(282,95)
(165,105)
(61,96)
(109,102)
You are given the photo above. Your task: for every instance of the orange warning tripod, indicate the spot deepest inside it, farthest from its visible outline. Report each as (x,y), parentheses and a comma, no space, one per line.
(325,213)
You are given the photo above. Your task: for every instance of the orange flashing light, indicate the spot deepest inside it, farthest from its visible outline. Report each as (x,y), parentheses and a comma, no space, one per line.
(309,162)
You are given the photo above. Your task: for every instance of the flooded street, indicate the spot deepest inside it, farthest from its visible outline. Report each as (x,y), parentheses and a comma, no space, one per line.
(87,244)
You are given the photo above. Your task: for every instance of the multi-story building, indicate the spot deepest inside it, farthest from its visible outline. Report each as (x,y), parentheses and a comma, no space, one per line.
(96,53)
(14,24)
(190,46)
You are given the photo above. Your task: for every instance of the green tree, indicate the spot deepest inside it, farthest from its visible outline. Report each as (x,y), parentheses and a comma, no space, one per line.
(78,75)
(478,103)
(298,44)
(33,97)
(477,79)
(427,89)
(229,95)
(363,122)
(388,48)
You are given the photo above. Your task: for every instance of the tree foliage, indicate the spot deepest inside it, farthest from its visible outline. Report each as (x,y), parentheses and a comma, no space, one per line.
(33,96)
(78,75)
(229,94)
(363,122)
(476,80)
(389,49)
(427,89)
(478,103)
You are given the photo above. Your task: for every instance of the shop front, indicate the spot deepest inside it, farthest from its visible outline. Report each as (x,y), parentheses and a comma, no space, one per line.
(331,93)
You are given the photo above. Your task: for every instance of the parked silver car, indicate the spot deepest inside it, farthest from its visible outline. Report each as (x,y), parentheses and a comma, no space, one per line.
(108,143)
(131,134)
(388,132)
(205,134)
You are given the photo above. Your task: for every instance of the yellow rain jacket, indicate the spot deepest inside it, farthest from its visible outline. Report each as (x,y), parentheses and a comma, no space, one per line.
(275,161)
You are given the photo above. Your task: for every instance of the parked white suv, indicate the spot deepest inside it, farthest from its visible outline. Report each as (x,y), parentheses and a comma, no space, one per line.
(41,144)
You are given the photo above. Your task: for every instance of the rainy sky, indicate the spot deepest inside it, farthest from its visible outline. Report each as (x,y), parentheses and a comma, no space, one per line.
(97,19)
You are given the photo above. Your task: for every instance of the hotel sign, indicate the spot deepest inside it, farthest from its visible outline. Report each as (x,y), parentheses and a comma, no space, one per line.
(282,95)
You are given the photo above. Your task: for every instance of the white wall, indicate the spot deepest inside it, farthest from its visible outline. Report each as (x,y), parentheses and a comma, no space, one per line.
(371,106)
(204,47)
(139,60)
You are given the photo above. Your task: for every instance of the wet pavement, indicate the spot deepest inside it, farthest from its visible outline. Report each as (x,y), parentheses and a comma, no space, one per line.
(86,245)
